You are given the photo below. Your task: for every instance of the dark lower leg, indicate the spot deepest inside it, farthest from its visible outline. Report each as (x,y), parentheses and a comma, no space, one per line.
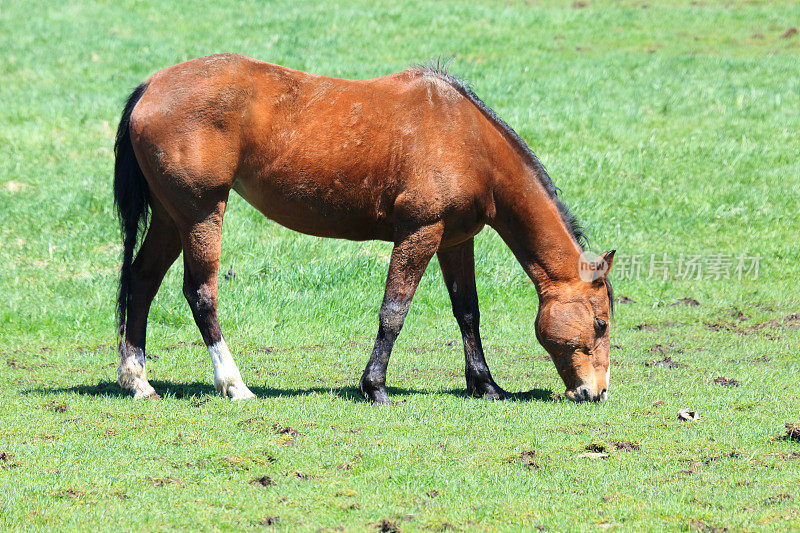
(159,250)
(390,319)
(410,257)
(458,269)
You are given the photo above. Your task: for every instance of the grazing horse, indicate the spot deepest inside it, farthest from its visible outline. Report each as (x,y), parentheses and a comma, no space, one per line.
(415,158)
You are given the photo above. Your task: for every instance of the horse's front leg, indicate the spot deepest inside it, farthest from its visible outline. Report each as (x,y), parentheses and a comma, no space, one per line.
(458,269)
(411,254)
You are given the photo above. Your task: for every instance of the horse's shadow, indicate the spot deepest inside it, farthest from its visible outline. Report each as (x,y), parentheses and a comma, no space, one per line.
(196,389)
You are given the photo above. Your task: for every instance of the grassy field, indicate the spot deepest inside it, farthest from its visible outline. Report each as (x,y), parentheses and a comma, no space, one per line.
(671,127)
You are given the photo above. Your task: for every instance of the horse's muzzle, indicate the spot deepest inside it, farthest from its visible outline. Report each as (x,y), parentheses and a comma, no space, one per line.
(585,394)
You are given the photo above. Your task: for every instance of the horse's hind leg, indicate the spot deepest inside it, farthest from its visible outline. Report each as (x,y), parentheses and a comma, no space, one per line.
(159,250)
(410,257)
(201,253)
(458,269)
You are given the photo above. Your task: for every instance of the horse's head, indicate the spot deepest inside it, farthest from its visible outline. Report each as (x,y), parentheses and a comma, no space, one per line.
(573,325)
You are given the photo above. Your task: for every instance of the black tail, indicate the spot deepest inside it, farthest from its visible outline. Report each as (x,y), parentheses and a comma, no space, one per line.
(130,200)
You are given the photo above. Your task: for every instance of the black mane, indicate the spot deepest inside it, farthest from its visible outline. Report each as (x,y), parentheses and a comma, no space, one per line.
(438,68)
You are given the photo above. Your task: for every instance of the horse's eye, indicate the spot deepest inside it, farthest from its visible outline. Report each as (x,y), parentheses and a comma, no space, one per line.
(600,325)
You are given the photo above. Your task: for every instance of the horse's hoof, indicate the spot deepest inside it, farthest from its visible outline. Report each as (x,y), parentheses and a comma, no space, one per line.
(488,392)
(142,390)
(376,396)
(235,391)
(153,396)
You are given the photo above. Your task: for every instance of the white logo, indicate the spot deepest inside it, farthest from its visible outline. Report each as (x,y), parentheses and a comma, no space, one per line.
(591,266)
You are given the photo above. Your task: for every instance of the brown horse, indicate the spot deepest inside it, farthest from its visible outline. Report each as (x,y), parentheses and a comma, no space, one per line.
(414,158)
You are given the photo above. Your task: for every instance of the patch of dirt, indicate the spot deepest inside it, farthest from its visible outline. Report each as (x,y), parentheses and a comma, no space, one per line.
(349,465)
(791,456)
(789,33)
(263,481)
(451,343)
(163,481)
(792,431)
(249,422)
(595,448)
(579,5)
(715,458)
(432,493)
(689,302)
(7,460)
(70,493)
(387,526)
(592,455)
(725,382)
(666,362)
(624,445)
(181,440)
(53,406)
(790,321)
(645,327)
(659,349)
(269,521)
(526,458)
(12,363)
(625,300)
(288,430)
(199,402)
(658,402)
(702,526)
(778,498)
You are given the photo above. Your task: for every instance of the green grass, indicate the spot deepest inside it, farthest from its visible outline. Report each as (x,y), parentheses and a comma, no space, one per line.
(671,128)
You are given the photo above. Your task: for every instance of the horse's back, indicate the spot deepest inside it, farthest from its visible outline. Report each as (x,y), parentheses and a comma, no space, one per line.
(321,155)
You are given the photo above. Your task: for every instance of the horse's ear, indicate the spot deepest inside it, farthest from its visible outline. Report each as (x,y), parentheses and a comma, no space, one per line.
(608,257)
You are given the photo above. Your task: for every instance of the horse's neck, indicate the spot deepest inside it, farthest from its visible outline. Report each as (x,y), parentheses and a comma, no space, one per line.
(529,221)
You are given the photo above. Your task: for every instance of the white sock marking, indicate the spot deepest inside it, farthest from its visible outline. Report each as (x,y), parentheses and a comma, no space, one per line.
(227,378)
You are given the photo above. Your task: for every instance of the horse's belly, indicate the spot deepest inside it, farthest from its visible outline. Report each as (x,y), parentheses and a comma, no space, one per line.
(335,211)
